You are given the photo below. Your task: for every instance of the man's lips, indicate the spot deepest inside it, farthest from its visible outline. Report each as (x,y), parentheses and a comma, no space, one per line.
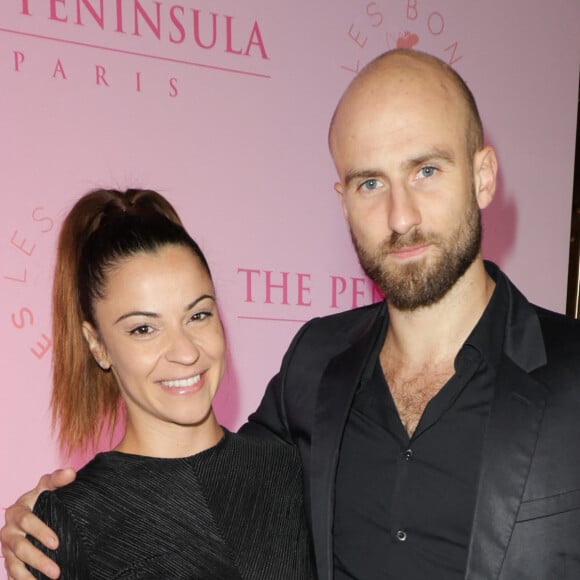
(409,251)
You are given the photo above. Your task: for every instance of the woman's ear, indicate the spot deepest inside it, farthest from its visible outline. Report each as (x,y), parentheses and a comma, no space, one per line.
(96,347)
(485,175)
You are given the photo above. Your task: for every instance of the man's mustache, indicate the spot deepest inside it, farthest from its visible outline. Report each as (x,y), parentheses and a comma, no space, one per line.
(398,241)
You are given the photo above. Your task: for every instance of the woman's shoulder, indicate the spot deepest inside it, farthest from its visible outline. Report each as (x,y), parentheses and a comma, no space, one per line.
(100,468)
(257,449)
(104,480)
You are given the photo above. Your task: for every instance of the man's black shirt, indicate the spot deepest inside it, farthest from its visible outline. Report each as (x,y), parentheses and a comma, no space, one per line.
(404,506)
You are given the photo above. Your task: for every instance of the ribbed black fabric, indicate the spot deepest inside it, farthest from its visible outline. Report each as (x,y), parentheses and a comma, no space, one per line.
(232,512)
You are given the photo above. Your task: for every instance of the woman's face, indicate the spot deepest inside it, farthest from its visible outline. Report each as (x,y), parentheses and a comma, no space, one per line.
(158,329)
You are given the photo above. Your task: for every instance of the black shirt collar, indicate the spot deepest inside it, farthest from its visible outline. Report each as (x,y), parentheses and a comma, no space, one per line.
(487,338)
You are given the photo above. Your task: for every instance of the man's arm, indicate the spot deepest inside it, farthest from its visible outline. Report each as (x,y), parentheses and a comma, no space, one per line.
(271,419)
(20,520)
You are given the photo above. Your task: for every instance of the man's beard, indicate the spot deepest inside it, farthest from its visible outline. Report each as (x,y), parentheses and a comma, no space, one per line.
(416,284)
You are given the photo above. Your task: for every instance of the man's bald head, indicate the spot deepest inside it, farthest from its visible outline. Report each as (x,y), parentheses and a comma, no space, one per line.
(402,66)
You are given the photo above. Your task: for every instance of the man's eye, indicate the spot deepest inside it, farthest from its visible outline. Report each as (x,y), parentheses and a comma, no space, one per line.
(370,184)
(427,171)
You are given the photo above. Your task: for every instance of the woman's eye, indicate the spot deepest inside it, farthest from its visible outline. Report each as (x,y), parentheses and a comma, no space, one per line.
(141,330)
(200,315)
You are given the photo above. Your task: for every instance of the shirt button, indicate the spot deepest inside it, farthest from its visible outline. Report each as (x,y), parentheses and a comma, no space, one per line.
(401,535)
(408,454)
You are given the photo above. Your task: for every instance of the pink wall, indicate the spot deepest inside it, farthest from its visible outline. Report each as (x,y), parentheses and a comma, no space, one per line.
(235,136)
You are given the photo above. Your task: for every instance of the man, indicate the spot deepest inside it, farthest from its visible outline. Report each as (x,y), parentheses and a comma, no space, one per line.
(437,429)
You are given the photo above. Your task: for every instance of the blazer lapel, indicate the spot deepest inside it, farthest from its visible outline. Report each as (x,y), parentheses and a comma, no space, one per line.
(511,436)
(336,391)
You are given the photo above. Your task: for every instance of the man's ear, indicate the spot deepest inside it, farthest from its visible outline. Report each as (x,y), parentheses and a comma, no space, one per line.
(485,175)
(341,197)
(96,346)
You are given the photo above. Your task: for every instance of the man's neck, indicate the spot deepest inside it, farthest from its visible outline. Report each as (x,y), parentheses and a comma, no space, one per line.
(436,333)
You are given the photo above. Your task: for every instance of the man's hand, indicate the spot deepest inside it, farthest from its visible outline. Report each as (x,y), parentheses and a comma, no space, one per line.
(20,520)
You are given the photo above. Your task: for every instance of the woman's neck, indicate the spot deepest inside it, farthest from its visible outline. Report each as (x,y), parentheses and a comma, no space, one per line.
(170,440)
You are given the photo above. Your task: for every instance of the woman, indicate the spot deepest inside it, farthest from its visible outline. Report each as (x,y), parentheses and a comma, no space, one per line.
(137,333)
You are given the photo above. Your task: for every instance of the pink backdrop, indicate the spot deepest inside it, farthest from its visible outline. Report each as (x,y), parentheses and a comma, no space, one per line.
(224,108)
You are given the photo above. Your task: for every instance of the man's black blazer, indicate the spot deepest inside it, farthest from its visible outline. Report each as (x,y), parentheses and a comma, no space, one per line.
(526,523)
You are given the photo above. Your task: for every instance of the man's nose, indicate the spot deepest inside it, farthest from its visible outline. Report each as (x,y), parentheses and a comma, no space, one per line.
(403,212)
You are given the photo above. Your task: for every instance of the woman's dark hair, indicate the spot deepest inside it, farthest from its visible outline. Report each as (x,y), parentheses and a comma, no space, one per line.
(102,229)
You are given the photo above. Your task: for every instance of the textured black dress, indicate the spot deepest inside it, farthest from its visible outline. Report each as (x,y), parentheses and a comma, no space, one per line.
(232,512)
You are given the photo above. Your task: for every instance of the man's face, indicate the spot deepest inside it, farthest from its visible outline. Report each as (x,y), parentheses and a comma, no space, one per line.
(407,185)
(416,283)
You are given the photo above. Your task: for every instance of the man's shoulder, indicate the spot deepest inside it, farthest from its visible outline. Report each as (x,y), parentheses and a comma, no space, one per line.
(558,318)
(561,335)
(532,324)
(558,327)
(323,337)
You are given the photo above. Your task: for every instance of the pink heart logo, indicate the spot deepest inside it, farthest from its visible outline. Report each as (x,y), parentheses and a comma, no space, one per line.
(407,40)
